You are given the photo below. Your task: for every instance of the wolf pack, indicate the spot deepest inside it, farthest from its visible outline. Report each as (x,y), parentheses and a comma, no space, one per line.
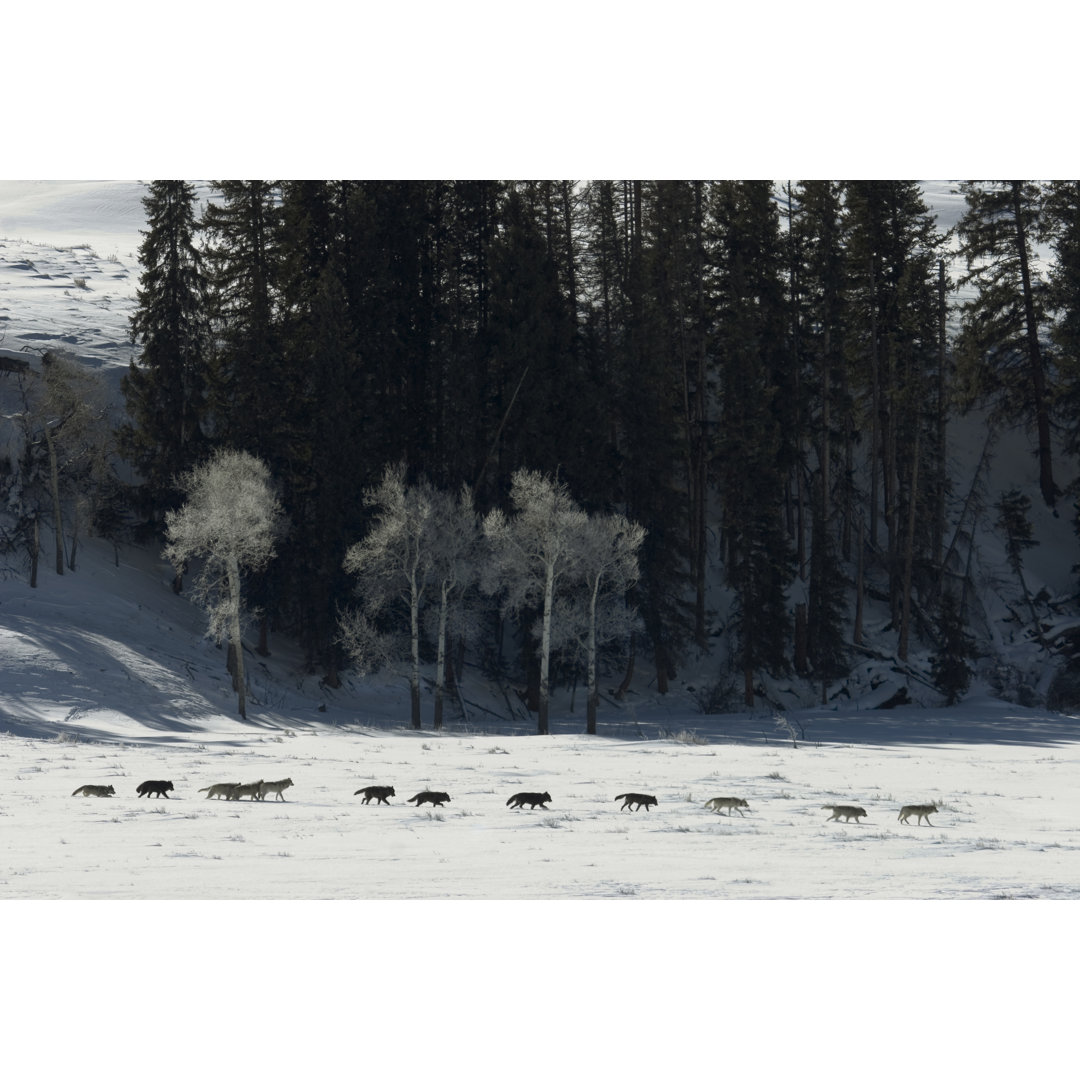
(258,790)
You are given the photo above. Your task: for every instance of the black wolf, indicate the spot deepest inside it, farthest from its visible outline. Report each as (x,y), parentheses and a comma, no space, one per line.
(533,798)
(376,792)
(436,798)
(157,787)
(640,800)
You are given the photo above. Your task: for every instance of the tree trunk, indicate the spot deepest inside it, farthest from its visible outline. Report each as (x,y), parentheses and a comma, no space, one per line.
(54,494)
(74,537)
(591,702)
(236,645)
(1038,374)
(909,552)
(802,665)
(414,674)
(629,676)
(857,634)
(440,662)
(545,652)
(35,552)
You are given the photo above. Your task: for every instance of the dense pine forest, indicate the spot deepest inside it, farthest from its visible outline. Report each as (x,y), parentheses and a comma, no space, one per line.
(758,377)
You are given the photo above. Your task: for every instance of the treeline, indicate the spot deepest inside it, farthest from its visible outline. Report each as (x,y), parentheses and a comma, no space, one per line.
(759,376)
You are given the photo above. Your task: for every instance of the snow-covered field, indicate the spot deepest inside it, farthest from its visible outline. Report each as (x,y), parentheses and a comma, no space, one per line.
(105,679)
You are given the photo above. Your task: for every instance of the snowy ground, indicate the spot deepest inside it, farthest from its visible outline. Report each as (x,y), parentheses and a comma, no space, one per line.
(106,680)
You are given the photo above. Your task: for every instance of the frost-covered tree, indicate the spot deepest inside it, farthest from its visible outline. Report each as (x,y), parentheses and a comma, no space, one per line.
(607,556)
(394,561)
(231,521)
(455,543)
(533,551)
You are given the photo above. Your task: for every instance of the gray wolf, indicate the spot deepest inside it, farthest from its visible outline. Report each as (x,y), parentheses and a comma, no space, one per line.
(240,790)
(276,786)
(728,802)
(217,790)
(922,812)
(533,798)
(845,812)
(100,790)
(436,798)
(381,794)
(155,787)
(640,800)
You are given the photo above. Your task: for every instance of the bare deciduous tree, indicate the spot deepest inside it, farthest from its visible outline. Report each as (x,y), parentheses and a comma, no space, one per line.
(65,426)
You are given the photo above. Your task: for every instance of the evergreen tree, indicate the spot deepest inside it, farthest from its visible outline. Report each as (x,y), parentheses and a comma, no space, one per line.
(949,667)
(1061,223)
(252,383)
(894,252)
(755,448)
(651,440)
(1001,349)
(821,328)
(166,387)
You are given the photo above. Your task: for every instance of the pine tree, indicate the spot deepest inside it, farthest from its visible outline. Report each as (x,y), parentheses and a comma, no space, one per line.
(1061,227)
(252,383)
(821,329)
(166,387)
(755,447)
(949,666)
(894,253)
(1003,357)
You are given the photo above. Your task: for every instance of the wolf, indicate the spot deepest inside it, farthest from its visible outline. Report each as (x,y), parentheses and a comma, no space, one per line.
(100,790)
(640,800)
(276,786)
(238,791)
(845,812)
(533,798)
(436,798)
(728,801)
(217,790)
(381,794)
(922,812)
(157,787)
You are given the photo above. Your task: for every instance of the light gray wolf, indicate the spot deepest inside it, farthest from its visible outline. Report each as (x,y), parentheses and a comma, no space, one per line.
(436,798)
(156,787)
(380,793)
(728,802)
(922,812)
(640,800)
(100,790)
(276,786)
(533,798)
(240,790)
(217,790)
(845,812)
